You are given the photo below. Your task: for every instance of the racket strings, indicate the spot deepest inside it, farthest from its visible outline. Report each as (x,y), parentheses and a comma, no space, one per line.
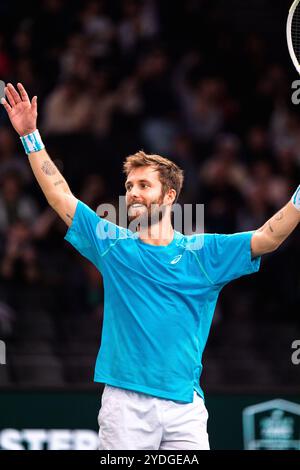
(296,32)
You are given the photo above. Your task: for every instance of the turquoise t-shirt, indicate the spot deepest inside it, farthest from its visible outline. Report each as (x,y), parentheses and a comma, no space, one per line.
(159,302)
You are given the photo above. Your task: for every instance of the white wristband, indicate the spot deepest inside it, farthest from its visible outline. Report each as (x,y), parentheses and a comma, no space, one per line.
(296,199)
(32,142)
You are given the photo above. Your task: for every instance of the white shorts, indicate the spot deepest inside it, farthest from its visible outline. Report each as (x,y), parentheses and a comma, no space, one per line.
(136,421)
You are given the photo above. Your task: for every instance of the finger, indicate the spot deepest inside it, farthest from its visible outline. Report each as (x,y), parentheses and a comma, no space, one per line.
(6,105)
(34,103)
(23,92)
(14,93)
(10,97)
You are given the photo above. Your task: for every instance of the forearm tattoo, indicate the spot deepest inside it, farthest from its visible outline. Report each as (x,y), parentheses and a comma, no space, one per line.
(279,216)
(58,182)
(48,168)
(270,227)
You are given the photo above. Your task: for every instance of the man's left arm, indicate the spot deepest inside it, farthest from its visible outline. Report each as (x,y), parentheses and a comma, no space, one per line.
(270,236)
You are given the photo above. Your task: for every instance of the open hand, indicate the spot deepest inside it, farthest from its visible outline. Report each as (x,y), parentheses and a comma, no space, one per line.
(21,112)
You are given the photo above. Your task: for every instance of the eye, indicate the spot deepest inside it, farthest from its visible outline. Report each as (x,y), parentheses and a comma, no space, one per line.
(145,185)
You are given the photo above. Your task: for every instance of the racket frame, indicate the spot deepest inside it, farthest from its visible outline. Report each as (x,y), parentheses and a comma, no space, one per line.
(289,35)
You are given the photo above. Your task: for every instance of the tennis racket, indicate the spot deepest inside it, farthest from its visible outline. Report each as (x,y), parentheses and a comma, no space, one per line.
(293,34)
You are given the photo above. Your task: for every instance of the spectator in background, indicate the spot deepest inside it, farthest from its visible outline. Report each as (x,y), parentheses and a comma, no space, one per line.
(19,268)
(287,163)
(221,179)
(183,154)
(257,144)
(24,70)
(10,159)
(20,260)
(105,100)
(284,130)
(138,25)
(93,191)
(203,101)
(15,205)
(98,28)
(67,110)
(206,116)
(74,59)
(159,125)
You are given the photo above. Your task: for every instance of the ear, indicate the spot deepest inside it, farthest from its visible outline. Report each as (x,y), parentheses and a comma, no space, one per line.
(170,196)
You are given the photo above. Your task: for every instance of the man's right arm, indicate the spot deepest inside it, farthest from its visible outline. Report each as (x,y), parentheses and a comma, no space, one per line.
(23,116)
(53,185)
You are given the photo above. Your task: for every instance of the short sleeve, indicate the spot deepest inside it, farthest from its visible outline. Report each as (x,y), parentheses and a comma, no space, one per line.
(91,235)
(228,257)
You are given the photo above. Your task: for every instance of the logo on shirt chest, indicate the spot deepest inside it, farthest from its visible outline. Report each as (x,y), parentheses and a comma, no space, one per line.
(176,259)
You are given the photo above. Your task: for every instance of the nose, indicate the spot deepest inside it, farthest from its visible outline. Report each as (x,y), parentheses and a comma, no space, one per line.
(133,193)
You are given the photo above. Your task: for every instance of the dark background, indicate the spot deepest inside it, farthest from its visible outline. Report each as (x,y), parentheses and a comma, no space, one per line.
(206,84)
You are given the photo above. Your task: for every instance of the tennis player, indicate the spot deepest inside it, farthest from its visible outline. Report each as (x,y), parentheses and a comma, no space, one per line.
(161,288)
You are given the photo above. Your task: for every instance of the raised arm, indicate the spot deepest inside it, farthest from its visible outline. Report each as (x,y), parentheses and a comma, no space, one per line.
(23,116)
(271,235)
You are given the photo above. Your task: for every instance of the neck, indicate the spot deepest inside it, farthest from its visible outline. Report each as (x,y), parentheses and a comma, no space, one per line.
(158,234)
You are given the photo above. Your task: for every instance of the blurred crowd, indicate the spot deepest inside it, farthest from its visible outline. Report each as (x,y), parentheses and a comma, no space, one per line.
(178,79)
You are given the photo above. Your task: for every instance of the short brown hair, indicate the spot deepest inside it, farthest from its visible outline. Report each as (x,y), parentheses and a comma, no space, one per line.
(170,175)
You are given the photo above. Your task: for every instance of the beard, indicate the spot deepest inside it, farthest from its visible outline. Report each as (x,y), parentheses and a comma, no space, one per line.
(150,215)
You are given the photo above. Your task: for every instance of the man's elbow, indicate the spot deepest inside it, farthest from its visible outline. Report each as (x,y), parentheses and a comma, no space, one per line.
(52,199)
(55,198)
(262,244)
(272,246)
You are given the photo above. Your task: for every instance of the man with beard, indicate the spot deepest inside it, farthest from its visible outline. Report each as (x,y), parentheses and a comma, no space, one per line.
(161,288)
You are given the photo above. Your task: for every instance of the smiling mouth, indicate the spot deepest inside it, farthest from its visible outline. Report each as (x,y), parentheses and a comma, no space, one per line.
(136,206)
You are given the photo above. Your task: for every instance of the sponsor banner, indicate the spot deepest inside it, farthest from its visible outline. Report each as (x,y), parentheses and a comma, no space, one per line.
(63,420)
